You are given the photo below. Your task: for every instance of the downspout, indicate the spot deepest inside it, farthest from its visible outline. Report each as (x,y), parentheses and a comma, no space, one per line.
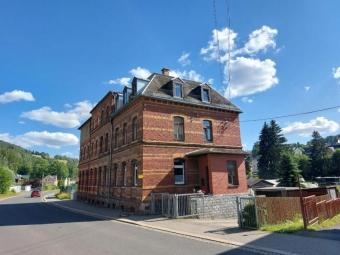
(110,161)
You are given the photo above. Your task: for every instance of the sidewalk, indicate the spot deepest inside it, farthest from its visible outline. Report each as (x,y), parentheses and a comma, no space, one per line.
(222,231)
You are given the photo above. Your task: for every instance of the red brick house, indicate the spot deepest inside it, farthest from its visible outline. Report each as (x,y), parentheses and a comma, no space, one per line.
(162,134)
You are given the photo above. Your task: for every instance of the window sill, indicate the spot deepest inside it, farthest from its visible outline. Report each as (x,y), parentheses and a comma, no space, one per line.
(231,186)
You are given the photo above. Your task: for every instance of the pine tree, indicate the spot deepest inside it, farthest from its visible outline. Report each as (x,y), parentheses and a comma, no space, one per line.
(289,174)
(270,150)
(317,151)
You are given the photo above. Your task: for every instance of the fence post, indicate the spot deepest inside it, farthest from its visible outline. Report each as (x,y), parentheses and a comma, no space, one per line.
(256,215)
(175,204)
(203,198)
(238,211)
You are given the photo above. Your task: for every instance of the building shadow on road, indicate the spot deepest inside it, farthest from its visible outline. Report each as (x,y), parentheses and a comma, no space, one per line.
(31,213)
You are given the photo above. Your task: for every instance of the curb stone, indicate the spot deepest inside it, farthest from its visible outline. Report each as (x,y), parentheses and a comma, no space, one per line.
(254,248)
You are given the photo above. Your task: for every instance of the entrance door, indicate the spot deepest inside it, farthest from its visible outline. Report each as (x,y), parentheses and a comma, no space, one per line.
(205,184)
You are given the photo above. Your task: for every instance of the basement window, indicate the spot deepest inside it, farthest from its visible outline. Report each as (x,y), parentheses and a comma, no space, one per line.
(179,171)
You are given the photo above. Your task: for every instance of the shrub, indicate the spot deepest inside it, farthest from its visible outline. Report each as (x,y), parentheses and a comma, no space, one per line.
(5,179)
(63,195)
(249,215)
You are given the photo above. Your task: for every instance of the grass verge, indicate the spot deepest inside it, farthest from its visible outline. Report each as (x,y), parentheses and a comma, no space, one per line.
(295,225)
(63,195)
(8,194)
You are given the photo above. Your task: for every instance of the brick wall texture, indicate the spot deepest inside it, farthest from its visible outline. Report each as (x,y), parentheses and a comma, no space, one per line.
(123,171)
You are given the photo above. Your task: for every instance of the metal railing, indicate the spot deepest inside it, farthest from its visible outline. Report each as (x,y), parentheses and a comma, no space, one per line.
(176,205)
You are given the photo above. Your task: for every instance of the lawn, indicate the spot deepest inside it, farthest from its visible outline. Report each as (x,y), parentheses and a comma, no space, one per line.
(8,194)
(295,225)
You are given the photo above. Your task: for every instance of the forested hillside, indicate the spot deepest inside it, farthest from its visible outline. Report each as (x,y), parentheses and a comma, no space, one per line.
(23,161)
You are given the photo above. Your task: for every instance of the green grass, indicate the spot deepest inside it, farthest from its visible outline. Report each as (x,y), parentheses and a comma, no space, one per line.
(326,224)
(63,195)
(8,194)
(295,225)
(338,187)
(50,187)
(289,226)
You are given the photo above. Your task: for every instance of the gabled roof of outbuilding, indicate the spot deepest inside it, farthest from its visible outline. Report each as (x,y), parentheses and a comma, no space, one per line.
(160,87)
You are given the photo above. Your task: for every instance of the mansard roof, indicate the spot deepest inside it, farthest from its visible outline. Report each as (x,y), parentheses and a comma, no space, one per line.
(160,87)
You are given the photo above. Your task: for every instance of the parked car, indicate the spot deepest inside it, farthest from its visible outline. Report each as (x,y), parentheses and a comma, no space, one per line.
(36,193)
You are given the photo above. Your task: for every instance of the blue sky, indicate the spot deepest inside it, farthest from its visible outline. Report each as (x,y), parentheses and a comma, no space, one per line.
(57,58)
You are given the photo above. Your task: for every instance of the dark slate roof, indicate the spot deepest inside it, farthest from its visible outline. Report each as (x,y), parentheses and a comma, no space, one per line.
(84,123)
(253,181)
(215,151)
(160,87)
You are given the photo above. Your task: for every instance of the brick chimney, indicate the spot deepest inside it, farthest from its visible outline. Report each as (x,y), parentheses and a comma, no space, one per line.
(165,71)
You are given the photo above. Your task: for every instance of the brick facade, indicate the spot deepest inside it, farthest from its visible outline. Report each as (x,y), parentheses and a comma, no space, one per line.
(107,176)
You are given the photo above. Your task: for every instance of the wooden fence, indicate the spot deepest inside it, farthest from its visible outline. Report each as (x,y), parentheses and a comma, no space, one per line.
(318,209)
(274,210)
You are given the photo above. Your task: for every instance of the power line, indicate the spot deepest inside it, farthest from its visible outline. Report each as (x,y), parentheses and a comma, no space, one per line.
(292,115)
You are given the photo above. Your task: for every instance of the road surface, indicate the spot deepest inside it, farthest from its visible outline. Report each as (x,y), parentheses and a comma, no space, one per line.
(29,226)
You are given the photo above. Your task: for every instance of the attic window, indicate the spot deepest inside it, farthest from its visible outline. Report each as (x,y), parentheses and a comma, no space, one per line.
(206,95)
(178,90)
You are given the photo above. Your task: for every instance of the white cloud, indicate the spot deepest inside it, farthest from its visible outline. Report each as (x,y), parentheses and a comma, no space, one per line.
(260,40)
(189,75)
(16,95)
(307,88)
(250,76)
(68,119)
(140,72)
(247,100)
(22,122)
(43,138)
(69,154)
(336,72)
(211,51)
(123,81)
(320,124)
(184,59)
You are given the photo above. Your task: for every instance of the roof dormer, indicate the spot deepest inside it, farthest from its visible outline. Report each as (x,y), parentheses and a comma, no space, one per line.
(138,85)
(205,94)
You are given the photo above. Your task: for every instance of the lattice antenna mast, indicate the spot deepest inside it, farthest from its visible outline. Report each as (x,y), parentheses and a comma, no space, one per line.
(229,49)
(218,42)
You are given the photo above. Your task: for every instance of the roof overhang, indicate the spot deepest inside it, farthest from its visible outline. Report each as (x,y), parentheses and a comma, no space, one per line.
(206,151)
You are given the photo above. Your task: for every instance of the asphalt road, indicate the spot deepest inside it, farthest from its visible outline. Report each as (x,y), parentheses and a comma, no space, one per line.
(29,226)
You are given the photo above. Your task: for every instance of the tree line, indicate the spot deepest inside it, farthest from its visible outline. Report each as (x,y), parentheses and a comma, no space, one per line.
(288,162)
(16,160)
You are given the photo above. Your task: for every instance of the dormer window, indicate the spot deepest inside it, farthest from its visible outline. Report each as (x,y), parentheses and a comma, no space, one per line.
(206,95)
(138,85)
(178,90)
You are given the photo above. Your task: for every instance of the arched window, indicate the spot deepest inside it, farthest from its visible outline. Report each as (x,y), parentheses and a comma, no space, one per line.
(134,128)
(178,128)
(124,170)
(106,142)
(125,133)
(207,131)
(101,145)
(102,117)
(179,171)
(107,113)
(115,169)
(116,137)
(134,167)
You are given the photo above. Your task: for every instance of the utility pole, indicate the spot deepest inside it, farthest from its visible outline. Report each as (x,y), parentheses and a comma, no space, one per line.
(42,185)
(302,206)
